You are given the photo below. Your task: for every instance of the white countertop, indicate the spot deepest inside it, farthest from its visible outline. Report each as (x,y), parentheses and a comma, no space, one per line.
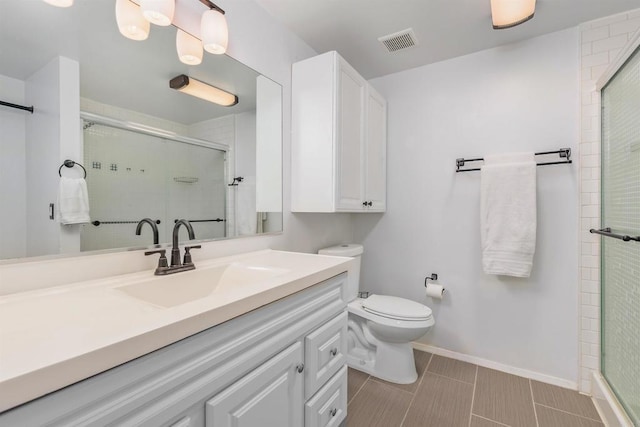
(54,337)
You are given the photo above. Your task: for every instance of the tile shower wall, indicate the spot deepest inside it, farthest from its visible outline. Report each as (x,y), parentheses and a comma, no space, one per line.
(601,42)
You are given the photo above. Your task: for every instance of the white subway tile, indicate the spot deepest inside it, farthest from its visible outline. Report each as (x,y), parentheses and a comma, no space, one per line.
(590,362)
(590,161)
(598,71)
(590,337)
(608,20)
(595,272)
(591,186)
(595,34)
(590,311)
(590,211)
(615,42)
(594,350)
(590,111)
(625,27)
(590,261)
(585,385)
(590,286)
(586,49)
(634,14)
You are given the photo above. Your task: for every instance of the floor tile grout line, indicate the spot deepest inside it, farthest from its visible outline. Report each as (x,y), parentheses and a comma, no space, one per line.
(473,396)
(358,392)
(449,378)
(533,401)
(570,413)
(416,392)
(493,421)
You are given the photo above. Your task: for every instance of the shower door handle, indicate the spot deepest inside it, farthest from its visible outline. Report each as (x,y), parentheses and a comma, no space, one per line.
(607,233)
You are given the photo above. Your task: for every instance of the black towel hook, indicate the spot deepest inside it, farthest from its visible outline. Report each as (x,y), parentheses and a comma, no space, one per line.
(70,163)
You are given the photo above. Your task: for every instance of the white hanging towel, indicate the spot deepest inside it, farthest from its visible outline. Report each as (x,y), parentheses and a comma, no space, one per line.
(508,214)
(73,201)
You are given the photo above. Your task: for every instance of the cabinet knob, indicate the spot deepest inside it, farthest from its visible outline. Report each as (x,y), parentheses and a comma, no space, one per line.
(300,368)
(333,412)
(334,351)
(365,203)
(370,203)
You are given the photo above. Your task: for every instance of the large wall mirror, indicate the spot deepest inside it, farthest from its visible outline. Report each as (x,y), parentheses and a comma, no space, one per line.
(149,151)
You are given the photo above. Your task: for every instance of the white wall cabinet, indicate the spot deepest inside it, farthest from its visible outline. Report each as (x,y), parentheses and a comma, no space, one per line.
(338,153)
(278,365)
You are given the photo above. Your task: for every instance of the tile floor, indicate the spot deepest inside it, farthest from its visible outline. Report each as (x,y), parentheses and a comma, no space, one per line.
(449,392)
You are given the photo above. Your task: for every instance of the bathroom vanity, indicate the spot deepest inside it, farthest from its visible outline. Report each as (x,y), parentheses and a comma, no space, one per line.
(255,339)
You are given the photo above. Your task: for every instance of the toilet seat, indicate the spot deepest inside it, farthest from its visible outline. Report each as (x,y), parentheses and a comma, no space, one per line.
(396,308)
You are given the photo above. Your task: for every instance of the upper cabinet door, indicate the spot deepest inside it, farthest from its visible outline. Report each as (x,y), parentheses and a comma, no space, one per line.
(350,138)
(338,144)
(376,151)
(270,395)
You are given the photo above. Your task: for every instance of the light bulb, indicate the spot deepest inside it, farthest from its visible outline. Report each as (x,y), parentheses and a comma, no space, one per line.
(214,31)
(159,12)
(189,48)
(130,21)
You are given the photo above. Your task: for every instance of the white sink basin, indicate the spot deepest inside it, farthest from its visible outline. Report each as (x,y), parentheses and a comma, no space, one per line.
(181,288)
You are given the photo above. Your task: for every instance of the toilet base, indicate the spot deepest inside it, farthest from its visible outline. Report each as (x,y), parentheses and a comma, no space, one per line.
(392,362)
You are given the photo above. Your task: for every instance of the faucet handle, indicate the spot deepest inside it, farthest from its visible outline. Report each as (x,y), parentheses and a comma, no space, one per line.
(187,254)
(162,262)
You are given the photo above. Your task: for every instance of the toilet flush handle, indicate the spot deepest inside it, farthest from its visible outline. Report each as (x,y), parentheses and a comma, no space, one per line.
(334,351)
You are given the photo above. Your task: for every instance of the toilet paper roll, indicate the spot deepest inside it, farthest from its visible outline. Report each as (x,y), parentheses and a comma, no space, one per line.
(435,291)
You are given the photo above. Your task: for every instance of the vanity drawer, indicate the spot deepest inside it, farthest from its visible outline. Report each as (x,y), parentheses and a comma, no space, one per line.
(329,406)
(325,353)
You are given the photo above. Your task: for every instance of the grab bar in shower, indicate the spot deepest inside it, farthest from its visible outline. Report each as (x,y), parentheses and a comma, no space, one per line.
(607,233)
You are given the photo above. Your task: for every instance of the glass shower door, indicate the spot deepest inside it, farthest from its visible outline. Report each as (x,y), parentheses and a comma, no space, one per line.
(621,212)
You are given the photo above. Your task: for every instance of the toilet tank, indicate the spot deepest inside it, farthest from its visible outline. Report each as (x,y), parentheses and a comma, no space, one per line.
(353,251)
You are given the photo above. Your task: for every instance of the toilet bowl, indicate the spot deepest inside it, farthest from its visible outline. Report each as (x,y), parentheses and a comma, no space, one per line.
(381,327)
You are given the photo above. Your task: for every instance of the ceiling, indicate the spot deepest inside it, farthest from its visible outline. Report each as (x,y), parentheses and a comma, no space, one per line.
(444,28)
(113,69)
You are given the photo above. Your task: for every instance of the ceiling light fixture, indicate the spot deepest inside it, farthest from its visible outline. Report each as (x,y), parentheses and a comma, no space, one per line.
(509,13)
(189,48)
(60,3)
(159,12)
(202,90)
(131,23)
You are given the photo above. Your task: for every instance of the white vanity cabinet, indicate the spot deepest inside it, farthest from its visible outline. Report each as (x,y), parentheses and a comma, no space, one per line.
(280,365)
(338,153)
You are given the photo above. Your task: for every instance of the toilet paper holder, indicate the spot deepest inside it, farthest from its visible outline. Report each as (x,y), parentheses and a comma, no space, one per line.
(433,277)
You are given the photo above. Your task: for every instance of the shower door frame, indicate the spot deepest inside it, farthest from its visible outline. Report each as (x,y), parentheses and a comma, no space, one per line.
(605,399)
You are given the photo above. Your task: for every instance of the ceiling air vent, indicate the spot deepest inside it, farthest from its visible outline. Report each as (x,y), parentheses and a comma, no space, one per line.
(400,40)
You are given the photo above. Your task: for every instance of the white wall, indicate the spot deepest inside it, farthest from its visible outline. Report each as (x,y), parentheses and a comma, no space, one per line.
(520,97)
(264,44)
(52,135)
(12,170)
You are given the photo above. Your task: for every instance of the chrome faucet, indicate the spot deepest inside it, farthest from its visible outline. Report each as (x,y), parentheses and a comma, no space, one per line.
(153,225)
(176,266)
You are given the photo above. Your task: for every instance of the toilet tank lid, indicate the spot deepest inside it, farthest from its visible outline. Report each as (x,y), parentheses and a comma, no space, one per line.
(349,250)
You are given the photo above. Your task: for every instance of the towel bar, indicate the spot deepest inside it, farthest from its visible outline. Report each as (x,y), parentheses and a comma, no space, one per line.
(606,232)
(70,163)
(563,153)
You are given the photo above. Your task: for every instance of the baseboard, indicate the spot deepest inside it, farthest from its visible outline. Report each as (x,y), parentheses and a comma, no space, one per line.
(607,405)
(560,382)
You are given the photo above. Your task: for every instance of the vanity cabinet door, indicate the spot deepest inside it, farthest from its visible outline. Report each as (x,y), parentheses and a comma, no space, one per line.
(270,395)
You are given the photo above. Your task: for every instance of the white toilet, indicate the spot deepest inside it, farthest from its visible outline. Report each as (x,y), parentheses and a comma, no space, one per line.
(381,327)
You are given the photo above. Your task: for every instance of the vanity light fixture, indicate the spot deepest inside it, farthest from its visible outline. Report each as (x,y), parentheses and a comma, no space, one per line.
(159,12)
(60,3)
(130,21)
(189,48)
(215,32)
(509,13)
(194,87)
(133,17)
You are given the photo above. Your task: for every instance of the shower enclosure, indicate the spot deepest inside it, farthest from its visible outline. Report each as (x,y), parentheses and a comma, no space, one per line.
(620,256)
